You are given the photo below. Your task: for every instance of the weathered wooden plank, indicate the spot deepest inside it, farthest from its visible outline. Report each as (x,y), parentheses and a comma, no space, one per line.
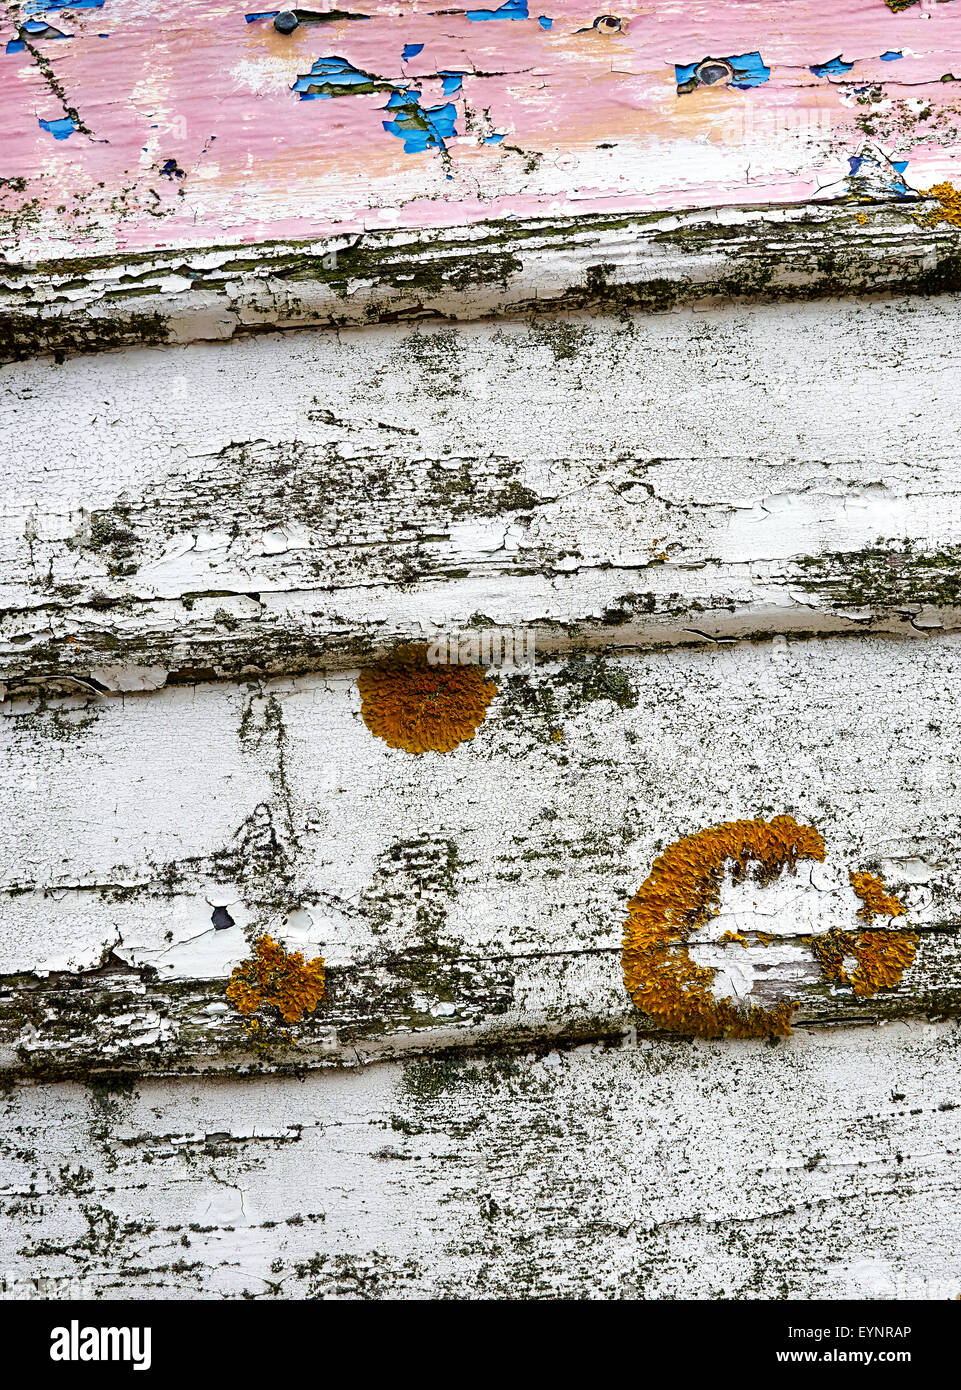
(862,244)
(576,366)
(302,501)
(122,1021)
(827,1167)
(472,896)
(164,124)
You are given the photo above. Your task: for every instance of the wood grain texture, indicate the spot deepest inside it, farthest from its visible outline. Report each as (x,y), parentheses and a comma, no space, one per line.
(661,369)
(861,244)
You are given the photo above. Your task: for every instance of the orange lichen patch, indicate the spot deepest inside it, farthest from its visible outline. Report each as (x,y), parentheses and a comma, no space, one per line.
(731,936)
(273,976)
(949,211)
(682,893)
(880,957)
(875,898)
(421,708)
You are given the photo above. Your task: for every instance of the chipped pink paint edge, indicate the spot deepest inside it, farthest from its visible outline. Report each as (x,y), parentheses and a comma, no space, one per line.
(170,76)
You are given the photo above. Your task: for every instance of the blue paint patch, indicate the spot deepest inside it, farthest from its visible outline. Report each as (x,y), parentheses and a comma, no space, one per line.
(834,68)
(42,6)
(420,127)
(411,50)
(892,55)
(747,70)
(898,186)
(544,21)
(261,14)
(511,9)
(340,76)
(35,29)
(493,139)
(61,129)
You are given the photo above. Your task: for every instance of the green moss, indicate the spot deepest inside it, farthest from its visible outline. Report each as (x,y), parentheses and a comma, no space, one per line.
(528,704)
(517,498)
(359,89)
(590,678)
(459,268)
(110,532)
(58,725)
(107,1088)
(430,1077)
(886,576)
(565,340)
(25,335)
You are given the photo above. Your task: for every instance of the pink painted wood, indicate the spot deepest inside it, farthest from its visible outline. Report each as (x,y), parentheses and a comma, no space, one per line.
(165,124)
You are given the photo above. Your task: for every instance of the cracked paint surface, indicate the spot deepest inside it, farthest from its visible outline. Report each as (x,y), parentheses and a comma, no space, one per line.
(219,797)
(505,113)
(168,524)
(199,544)
(656,1170)
(174,521)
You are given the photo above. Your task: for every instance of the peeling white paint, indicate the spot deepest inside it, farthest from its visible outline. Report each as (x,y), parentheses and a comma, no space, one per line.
(370,485)
(186,775)
(824,1168)
(679,470)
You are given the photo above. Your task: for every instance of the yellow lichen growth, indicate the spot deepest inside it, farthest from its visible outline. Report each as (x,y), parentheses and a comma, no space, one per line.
(730,937)
(881,957)
(274,976)
(949,211)
(421,708)
(681,893)
(875,899)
